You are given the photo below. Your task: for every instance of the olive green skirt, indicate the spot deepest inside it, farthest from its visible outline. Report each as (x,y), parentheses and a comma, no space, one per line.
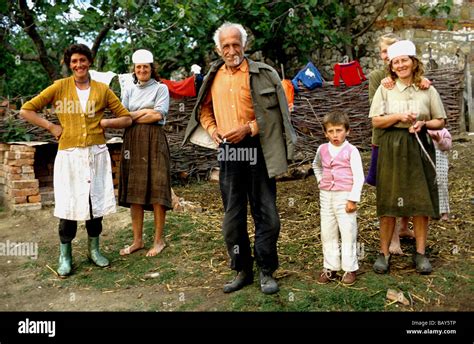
(406,180)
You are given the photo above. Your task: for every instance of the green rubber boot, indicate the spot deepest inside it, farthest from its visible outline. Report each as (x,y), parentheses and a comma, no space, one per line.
(94,252)
(65,259)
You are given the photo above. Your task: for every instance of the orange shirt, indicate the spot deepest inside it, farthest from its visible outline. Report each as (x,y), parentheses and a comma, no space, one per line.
(229,104)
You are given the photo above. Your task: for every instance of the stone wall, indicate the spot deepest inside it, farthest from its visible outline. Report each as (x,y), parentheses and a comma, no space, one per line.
(424,31)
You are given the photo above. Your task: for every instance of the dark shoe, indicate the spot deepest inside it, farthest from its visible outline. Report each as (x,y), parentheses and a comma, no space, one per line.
(348,278)
(326,276)
(422,263)
(242,279)
(382,264)
(268,285)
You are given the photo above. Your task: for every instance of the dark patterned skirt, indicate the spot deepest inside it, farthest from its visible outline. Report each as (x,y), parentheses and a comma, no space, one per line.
(406,180)
(145,176)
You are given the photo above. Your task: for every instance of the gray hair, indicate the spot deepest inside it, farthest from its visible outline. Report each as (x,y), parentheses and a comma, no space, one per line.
(228,25)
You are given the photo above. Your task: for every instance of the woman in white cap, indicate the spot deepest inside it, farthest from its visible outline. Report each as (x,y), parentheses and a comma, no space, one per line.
(145,179)
(406,178)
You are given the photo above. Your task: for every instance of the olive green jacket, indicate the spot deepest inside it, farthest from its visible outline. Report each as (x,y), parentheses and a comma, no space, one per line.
(277,136)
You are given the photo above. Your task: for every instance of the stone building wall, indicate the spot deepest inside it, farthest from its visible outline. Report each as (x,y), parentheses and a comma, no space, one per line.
(424,31)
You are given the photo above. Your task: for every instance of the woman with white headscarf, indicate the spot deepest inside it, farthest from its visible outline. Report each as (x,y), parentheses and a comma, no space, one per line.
(145,178)
(406,177)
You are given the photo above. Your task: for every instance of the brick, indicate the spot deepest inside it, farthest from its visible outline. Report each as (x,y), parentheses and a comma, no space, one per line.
(21,148)
(20,162)
(34,199)
(24,192)
(24,184)
(19,200)
(19,155)
(13,176)
(12,169)
(25,206)
(27,176)
(27,169)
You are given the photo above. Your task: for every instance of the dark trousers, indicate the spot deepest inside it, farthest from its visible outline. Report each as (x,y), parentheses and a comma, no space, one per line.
(68,228)
(243,182)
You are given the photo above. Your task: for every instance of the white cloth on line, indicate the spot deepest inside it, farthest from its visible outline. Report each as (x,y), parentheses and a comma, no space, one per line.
(105,77)
(81,172)
(126,82)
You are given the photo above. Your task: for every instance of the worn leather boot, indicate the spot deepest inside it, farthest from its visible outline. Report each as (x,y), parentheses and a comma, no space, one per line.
(94,252)
(382,264)
(242,279)
(268,285)
(422,264)
(65,259)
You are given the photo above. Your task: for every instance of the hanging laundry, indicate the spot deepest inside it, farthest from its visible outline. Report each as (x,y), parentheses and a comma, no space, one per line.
(351,73)
(289,92)
(125,81)
(309,77)
(180,89)
(105,77)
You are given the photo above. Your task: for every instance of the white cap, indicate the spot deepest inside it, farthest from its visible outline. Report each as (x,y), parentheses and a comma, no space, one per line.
(401,48)
(142,56)
(195,69)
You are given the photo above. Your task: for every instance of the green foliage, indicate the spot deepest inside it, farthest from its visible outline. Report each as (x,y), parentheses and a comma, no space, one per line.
(178,33)
(14,133)
(436,10)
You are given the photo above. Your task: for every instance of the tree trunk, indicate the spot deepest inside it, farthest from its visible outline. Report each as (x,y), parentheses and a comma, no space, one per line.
(28,24)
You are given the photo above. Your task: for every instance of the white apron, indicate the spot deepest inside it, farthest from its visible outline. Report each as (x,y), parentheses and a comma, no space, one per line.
(80,173)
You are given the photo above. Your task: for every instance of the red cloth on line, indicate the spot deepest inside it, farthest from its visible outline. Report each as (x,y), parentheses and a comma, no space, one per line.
(180,89)
(351,73)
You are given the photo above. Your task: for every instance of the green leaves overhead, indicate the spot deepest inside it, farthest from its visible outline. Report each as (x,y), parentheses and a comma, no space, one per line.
(179,33)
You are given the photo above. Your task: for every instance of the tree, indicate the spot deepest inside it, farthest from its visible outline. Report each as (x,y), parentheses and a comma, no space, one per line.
(179,33)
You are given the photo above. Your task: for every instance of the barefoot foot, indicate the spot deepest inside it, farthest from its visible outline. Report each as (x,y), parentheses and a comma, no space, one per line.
(130,249)
(407,233)
(156,249)
(395,248)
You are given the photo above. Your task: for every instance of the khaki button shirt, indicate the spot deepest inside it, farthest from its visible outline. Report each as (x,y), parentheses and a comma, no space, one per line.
(426,104)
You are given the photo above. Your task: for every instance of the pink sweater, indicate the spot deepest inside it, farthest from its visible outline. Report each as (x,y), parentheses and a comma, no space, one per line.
(445,142)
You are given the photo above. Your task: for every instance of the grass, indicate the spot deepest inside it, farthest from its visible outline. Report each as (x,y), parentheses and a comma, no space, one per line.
(195,263)
(299,291)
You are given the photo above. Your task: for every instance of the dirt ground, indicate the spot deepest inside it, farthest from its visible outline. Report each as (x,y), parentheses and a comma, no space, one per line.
(30,284)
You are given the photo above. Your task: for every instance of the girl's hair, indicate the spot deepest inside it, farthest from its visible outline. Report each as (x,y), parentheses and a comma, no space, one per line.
(336,118)
(77,49)
(418,70)
(154,74)
(388,39)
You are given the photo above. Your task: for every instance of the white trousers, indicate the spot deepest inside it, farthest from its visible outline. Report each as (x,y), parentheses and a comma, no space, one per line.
(336,221)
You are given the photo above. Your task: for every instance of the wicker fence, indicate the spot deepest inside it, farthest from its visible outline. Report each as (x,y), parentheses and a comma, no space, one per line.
(310,107)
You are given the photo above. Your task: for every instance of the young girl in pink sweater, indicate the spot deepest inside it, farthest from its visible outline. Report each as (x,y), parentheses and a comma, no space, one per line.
(443,143)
